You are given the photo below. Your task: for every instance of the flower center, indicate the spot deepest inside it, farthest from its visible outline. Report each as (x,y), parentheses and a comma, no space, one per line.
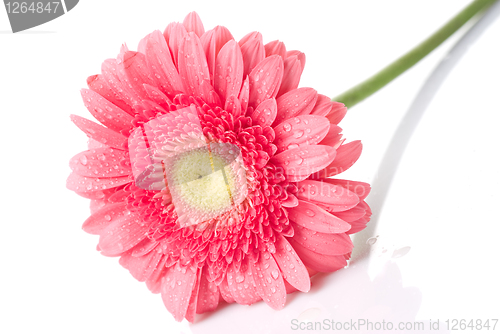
(206,182)
(205,179)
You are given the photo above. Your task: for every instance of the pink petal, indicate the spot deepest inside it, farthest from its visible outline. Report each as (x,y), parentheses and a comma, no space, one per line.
(261,159)
(157,96)
(347,155)
(323,106)
(141,267)
(253,53)
(250,36)
(299,163)
(323,243)
(208,295)
(122,234)
(333,138)
(212,41)
(101,162)
(100,219)
(290,202)
(137,71)
(300,131)
(353,214)
(193,301)
(275,48)
(296,102)
(359,224)
(361,189)
(337,112)
(106,112)
(269,281)
(265,113)
(241,285)
(193,23)
(228,76)
(158,58)
(225,292)
(319,262)
(233,106)
(117,82)
(336,198)
(193,66)
(154,281)
(97,204)
(292,268)
(83,184)
(98,84)
(244,95)
(293,68)
(100,133)
(316,219)
(98,194)
(177,288)
(144,247)
(174,34)
(265,80)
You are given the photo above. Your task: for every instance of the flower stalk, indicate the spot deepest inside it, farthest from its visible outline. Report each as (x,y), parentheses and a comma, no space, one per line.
(363,90)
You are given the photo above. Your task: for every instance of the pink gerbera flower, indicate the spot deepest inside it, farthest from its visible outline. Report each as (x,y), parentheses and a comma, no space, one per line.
(211,175)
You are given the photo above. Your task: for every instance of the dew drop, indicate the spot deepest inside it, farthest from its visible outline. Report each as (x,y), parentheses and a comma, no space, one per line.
(83,160)
(298,134)
(274,274)
(287,127)
(107,217)
(310,213)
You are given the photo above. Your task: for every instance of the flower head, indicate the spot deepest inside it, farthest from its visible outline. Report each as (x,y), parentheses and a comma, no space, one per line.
(210,176)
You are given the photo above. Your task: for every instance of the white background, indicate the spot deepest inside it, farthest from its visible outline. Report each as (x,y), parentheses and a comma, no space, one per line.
(442,205)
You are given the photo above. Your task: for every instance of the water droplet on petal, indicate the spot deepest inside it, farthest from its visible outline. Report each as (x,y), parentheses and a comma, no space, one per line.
(274,274)
(83,159)
(287,127)
(298,134)
(310,213)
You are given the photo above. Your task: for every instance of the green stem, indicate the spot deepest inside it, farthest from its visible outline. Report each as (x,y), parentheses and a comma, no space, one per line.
(358,93)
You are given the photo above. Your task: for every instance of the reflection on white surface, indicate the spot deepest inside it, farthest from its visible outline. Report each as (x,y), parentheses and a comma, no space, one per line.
(346,295)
